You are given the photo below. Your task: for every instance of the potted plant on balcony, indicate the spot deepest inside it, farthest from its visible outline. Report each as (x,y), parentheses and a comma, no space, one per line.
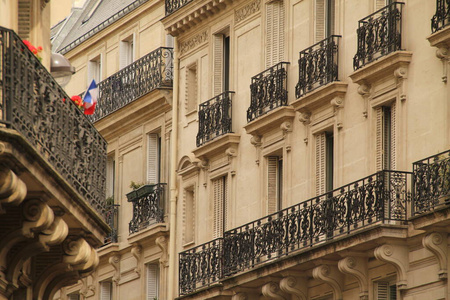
(139,189)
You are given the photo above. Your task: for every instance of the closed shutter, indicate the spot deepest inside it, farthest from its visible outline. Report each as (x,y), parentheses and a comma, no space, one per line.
(24,19)
(320,20)
(73,296)
(379,4)
(379,138)
(272,176)
(220,206)
(110,176)
(152,281)
(218,63)
(320,163)
(152,158)
(105,290)
(393,149)
(189,215)
(275,32)
(191,88)
(382,290)
(386,137)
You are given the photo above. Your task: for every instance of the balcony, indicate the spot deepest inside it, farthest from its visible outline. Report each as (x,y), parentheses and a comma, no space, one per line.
(214,118)
(442,16)
(153,71)
(33,104)
(174,5)
(379,34)
(268,91)
(381,198)
(112,219)
(148,206)
(318,66)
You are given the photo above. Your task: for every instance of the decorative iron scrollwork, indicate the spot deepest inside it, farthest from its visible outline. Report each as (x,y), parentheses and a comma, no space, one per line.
(442,16)
(112,219)
(174,5)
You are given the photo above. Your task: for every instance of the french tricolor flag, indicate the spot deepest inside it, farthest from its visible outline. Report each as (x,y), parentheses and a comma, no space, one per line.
(90,98)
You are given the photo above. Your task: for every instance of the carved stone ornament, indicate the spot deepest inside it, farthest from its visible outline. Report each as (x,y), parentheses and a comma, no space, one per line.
(305,118)
(298,288)
(331,275)
(356,266)
(136,251)
(114,261)
(396,255)
(249,9)
(193,42)
(272,291)
(436,242)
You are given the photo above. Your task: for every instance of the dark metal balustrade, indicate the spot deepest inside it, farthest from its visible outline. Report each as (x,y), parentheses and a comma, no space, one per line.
(154,70)
(174,5)
(31,102)
(431,183)
(442,16)
(379,34)
(214,118)
(148,207)
(200,266)
(112,219)
(268,91)
(318,65)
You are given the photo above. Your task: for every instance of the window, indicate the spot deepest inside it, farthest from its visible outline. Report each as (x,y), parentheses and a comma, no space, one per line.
(153,158)
(324,162)
(221,63)
(95,69)
(110,176)
(106,290)
(385,290)
(274,183)
(379,4)
(191,88)
(275,32)
(220,205)
(74,296)
(385,143)
(189,215)
(325,19)
(152,281)
(24,26)
(126,52)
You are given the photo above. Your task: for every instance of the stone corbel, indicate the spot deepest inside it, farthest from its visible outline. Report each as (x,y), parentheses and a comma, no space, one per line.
(364,91)
(305,117)
(396,255)
(162,243)
(114,261)
(136,251)
(436,242)
(331,275)
(357,267)
(12,189)
(286,127)
(443,54)
(338,104)
(239,296)
(401,74)
(88,290)
(273,291)
(231,152)
(257,142)
(201,163)
(290,285)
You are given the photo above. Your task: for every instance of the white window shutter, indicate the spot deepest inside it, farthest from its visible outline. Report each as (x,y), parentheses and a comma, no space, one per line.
(123,54)
(379,4)
(218,63)
(24,19)
(320,20)
(272,184)
(320,163)
(152,158)
(110,174)
(379,138)
(189,215)
(105,290)
(220,206)
(393,136)
(382,290)
(191,88)
(152,281)
(275,32)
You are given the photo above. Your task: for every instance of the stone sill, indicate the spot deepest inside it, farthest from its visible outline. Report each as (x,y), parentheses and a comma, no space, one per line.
(153,231)
(217,145)
(382,67)
(320,97)
(105,250)
(441,38)
(270,120)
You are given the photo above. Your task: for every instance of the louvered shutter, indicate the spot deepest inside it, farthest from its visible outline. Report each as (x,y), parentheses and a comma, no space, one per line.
(110,173)
(152,281)
(275,32)
(379,4)
(382,290)
(320,162)
(218,63)
(73,296)
(152,158)
(123,54)
(220,206)
(393,137)
(106,290)
(24,19)
(393,292)
(320,20)
(379,138)
(272,176)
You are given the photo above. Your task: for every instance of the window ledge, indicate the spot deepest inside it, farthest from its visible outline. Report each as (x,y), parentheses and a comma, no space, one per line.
(441,38)
(152,232)
(320,97)
(270,121)
(227,142)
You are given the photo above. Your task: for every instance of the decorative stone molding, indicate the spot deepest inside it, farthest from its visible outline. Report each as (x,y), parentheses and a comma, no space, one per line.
(136,251)
(162,243)
(305,117)
(338,104)
(290,285)
(239,296)
(396,255)
(441,40)
(272,291)
(223,144)
(193,42)
(255,140)
(280,117)
(357,267)
(249,9)
(444,55)
(436,242)
(331,275)
(12,189)
(114,261)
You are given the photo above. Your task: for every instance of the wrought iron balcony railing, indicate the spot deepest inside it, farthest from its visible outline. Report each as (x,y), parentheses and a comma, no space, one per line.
(200,266)
(431,183)
(148,206)
(112,219)
(442,16)
(32,103)
(379,34)
(214,118)
(318,65)
(154,70)
(174,5)
(268,91)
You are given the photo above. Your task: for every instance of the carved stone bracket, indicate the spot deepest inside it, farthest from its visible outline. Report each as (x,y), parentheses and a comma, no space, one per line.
(396,255)
(364,91)
(12,189)
(357,267)
(436,242)
(136,251)
(239,296)
(331,275)
(401,74)
(338,104)
(305,117)
(443,54)
(272,291)
(114,261)
(162,243)
(297,288)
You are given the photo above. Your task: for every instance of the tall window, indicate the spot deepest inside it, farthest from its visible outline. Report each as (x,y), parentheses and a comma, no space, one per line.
(95,69)
(152,281)
(324,162)
(126,52)
(106,290)
(191,88)
(385,289)
(274,183)
(385,143)
(189,215)
(153,158)
(221,63)
(325,19)
(220,205)
(110,176)
(275,32)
